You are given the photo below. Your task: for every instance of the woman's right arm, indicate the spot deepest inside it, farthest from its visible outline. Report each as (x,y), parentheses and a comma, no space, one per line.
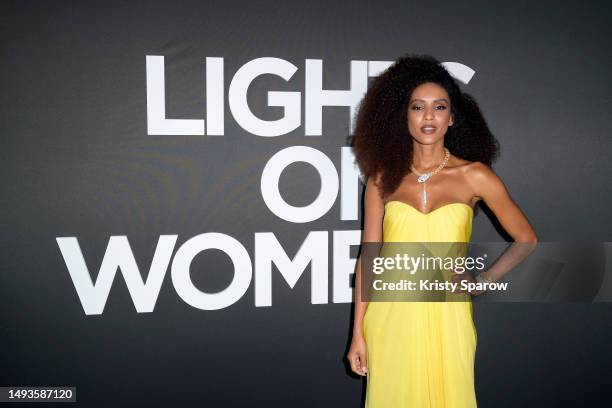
(372,232)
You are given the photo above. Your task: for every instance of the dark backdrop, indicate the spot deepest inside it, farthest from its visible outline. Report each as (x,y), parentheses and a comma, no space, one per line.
(77,161)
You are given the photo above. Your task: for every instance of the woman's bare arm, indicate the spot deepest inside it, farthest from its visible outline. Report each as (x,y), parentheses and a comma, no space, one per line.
(372,232)
(488,186)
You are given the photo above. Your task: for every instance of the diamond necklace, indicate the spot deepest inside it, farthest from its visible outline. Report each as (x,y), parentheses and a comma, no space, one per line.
(422,178)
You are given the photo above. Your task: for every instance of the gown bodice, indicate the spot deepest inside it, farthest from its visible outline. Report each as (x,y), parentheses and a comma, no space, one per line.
(449,223)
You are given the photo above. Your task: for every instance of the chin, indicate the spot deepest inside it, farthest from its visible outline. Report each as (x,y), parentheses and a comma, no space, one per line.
(428,139)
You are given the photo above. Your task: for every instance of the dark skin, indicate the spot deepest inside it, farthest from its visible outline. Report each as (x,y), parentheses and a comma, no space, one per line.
(460,181)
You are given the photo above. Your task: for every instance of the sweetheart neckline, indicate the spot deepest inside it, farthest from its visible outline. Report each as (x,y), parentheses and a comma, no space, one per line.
(433,211)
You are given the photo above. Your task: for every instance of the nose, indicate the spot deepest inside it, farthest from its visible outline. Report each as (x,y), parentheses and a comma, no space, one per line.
(428,113)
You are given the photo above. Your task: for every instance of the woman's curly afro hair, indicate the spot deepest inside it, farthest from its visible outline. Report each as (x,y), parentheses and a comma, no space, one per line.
(381,141)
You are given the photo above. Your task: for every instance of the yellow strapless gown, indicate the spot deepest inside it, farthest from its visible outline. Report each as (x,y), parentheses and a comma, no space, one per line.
(421,354)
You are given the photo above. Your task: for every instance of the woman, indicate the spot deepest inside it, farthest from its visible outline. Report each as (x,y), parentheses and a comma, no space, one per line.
(425,150)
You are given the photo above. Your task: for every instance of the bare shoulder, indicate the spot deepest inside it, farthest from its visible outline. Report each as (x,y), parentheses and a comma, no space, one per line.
(374,211)
(471,169)
(377,177)
(373,187)
(374,181)
(482,179)
(478,170)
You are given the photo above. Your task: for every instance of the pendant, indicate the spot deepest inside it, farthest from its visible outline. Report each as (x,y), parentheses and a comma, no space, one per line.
(424,177)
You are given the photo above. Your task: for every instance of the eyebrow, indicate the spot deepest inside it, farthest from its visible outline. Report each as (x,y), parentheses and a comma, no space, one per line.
(437,100)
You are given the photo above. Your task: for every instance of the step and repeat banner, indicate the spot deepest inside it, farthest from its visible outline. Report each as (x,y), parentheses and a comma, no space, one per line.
(181,209)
